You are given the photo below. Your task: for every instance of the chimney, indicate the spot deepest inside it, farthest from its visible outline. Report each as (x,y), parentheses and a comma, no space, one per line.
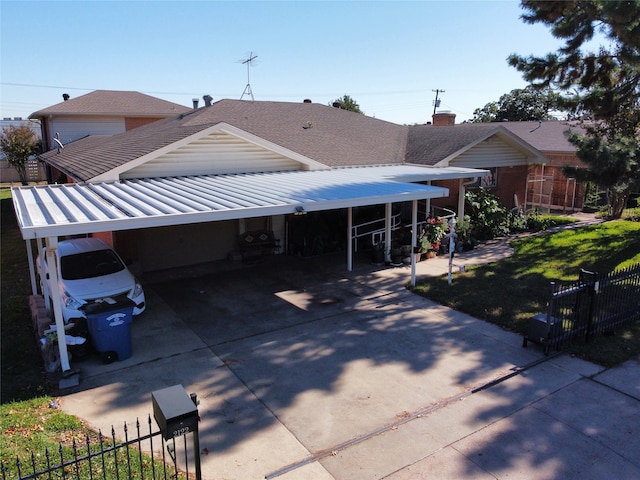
(444,119)
(207,100)
(65,96)
(195,103)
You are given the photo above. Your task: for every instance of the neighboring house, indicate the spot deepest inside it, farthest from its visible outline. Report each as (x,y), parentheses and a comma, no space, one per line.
(35,169)
(102,112)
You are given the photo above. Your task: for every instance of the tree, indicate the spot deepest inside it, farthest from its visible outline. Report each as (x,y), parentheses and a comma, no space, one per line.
(19,143)
(604,86)
(346,103)
(520,105)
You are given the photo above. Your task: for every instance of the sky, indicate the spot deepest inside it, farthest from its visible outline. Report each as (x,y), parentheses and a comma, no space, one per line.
(389,56)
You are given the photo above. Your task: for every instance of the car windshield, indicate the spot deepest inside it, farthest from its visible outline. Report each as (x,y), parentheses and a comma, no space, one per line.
(90,264)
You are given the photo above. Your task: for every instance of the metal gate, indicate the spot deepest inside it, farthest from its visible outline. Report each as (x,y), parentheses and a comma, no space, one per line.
(594,305)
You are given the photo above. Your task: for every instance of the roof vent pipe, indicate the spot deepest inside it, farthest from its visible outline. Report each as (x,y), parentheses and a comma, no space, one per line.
(306,100)
(65,96)
(337,104)
(195,103)
(207,100)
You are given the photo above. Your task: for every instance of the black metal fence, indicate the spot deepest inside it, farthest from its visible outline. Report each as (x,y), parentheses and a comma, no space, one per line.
(594,305)
(144,456)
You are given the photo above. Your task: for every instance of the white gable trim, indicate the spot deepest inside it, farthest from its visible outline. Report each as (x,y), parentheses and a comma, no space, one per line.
(306,163)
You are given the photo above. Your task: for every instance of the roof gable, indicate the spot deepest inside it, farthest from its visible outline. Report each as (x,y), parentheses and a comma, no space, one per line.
(221,149)
(113,103)
(479,145)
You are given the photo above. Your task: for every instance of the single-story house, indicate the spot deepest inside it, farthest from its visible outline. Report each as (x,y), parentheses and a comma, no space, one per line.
(181,190)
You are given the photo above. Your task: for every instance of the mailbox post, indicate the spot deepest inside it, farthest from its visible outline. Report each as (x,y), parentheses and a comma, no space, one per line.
(176,414)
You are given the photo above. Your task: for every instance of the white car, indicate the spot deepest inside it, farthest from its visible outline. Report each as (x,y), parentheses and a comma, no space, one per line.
(91,274)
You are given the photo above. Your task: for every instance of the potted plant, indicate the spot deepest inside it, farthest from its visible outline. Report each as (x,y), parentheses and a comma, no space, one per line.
(423,244)
(464,230)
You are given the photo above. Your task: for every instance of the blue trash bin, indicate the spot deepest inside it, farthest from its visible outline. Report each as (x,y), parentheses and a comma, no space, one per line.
(110,333)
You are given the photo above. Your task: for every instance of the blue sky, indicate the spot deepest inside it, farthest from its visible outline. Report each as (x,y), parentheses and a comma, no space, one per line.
(388,56)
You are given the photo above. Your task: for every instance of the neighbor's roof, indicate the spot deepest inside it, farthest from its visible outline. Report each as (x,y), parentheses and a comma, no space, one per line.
(113,102)
(70,209)
(328,135)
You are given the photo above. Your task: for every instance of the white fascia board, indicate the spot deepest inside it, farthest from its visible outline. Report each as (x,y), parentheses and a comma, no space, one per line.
(114,174)
(439,173)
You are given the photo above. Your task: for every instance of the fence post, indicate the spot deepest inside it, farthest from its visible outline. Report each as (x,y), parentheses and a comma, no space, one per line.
(587,278)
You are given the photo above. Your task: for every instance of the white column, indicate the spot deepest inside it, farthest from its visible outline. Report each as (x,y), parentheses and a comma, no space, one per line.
(387,231)
(52,244)
(461,192)
(414,230)
(350,239)
(32,270)
(45,286)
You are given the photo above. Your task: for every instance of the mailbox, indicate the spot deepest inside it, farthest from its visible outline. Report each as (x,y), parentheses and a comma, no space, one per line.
(175,412)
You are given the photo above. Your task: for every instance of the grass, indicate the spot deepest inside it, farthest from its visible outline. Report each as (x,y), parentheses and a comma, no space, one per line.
(32,427)
(522,281)
(27,422)
(23,374)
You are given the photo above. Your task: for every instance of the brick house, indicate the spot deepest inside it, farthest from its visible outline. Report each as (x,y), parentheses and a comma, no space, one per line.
(241,139)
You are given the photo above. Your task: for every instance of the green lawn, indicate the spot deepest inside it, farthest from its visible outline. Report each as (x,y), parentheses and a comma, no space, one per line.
(508,292)
(36,426)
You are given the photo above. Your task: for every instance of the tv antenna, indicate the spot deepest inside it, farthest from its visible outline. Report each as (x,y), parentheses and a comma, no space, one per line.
(436,102)
(249,63)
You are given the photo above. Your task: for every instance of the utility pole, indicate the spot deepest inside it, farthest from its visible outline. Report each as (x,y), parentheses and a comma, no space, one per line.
(436,102)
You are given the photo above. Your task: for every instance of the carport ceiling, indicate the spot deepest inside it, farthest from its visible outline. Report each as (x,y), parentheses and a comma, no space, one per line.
(72,209)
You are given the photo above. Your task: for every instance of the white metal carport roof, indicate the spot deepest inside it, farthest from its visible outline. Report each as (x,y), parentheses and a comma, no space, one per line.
(72,209)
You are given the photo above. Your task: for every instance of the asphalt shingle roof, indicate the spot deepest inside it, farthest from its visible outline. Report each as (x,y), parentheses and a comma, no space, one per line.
(334,137)
(113,102)
(545,136)
(325,134)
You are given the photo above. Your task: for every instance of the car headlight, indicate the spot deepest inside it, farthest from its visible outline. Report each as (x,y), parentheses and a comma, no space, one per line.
(71,302)
(137,290)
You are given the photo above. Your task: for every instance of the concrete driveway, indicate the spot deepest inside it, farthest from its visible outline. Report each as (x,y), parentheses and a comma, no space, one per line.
(307,371)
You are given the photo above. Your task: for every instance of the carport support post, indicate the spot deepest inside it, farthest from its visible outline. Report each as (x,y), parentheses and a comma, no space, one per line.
(387,232)
(32,272)
(45,286)
(52,244)
(414,231)
(350,239)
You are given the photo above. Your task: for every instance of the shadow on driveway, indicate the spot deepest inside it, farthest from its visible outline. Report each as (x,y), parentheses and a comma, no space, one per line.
(305,370)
